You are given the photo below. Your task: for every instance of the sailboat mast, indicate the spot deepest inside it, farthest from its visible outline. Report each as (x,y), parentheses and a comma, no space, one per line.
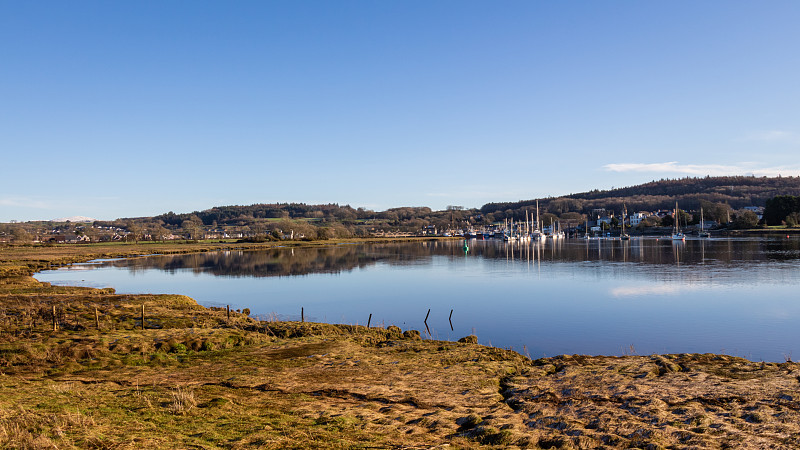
(624,236)
(527,232)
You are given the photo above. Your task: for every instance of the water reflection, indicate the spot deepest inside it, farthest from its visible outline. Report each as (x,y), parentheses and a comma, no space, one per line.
(660,258)
(567,296)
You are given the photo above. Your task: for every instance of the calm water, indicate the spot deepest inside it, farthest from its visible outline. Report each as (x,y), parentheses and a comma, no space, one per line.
(731,296)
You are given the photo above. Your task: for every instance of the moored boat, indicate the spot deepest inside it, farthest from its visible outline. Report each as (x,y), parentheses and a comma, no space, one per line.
(676,234)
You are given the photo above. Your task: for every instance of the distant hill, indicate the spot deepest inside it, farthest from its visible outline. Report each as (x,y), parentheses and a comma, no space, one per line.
(735,191)
(720,197)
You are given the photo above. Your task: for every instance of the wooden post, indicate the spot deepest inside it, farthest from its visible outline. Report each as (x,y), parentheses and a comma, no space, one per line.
(369,320)
(229,312)
(55,320)
(426,323)
(96,319)
(302,315)
(143,316)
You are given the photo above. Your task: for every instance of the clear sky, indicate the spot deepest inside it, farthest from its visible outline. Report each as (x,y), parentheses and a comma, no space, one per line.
(118,109)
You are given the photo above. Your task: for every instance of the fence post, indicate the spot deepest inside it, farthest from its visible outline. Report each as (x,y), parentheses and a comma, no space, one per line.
(229,312)
(302,315)
(369,320)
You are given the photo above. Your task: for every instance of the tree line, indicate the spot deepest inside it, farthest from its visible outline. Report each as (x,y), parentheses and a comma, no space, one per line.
(722,200)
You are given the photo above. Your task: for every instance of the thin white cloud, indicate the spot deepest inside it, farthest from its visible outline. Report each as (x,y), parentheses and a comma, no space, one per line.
(774,136)
(673,167)
(23,202)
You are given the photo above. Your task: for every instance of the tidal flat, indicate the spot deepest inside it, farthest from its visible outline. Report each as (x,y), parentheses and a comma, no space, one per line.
(208,378)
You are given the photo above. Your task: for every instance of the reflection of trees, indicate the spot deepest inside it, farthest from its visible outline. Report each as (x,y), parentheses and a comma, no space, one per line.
(335,259)
(280,261)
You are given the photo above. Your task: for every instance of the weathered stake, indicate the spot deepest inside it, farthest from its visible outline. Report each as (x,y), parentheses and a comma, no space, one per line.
(426,323)
(55,321)
(451,320)
(369,320)
(229,312)
(96,319)
(302,315)
(143,316)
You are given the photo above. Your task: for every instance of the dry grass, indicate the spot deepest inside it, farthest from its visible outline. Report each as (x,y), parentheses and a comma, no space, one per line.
(182,401)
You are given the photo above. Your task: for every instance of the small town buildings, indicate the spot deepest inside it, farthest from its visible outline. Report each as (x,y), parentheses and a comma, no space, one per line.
(759,210)
(638,217)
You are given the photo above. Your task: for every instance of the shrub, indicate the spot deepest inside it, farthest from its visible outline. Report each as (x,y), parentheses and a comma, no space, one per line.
(178,348)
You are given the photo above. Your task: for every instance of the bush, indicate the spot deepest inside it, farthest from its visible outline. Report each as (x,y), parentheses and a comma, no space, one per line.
(178,348)
(207,346)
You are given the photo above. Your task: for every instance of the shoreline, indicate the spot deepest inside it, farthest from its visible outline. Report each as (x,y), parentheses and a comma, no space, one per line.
(96,375)
(133,250)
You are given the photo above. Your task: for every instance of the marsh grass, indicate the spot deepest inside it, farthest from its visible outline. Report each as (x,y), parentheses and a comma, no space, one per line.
(182,402)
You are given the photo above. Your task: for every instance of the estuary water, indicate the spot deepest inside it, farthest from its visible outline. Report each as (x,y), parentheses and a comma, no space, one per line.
(731,296)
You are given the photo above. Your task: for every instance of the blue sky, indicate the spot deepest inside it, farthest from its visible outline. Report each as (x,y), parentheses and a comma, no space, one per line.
(122,109)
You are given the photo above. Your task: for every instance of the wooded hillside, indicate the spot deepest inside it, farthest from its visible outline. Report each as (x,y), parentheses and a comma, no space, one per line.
(737,192)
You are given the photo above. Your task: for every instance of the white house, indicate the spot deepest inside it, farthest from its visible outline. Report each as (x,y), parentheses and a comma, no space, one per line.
(637,218)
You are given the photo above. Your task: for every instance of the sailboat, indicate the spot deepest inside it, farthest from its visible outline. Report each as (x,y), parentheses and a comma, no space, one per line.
(537,233)
(525,234)
(559,233)
(676,234)
(623,236)
(555,231)
(703,232)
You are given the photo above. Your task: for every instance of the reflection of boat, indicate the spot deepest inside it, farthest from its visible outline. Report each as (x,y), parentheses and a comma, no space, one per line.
(676,234)
(703,232)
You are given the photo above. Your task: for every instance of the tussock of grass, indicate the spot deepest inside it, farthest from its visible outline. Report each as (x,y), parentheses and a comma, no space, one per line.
(182,401)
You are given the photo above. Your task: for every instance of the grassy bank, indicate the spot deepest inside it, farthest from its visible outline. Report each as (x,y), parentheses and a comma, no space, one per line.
(198,377)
